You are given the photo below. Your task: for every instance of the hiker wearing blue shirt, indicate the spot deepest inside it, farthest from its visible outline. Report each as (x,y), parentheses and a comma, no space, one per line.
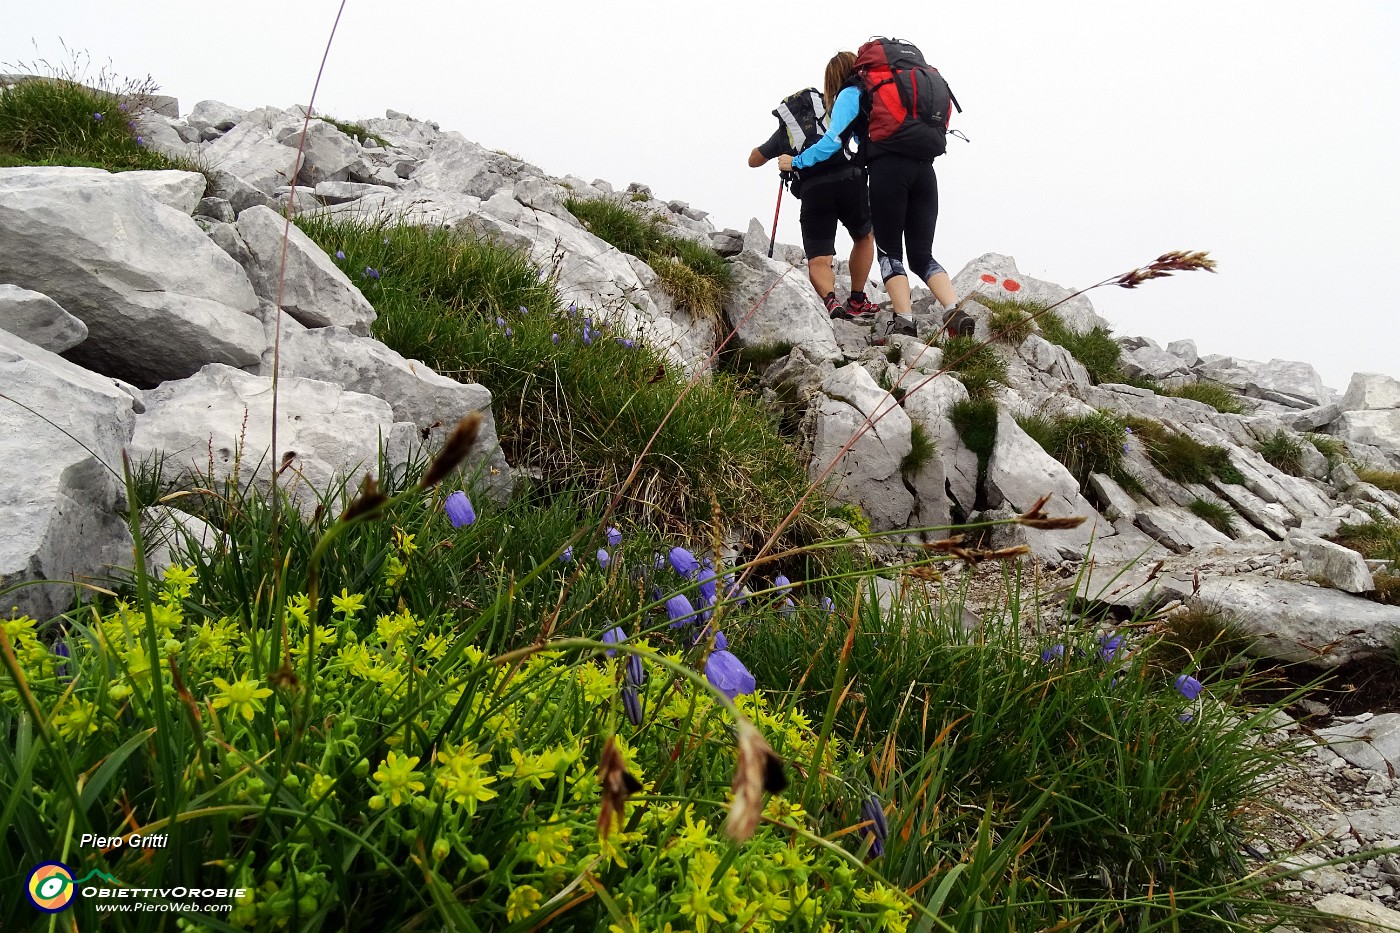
(903,192)
(832,190)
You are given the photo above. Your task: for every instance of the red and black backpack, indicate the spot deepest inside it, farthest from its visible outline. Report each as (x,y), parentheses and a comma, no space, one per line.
(905,103)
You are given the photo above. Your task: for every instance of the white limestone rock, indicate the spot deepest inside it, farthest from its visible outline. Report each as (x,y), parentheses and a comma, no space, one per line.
(1185,350)
(251,153)
(1150,362)
(1020,472)
(1371,428)
(1055,362)
(39,319)
(1178,529)
(1370,391)
(997,276)
(314,289)
(180,190)
(211,114)
(415,392)
(927,403)
(1300,623)
(141,275)
(338,192)
(170,534)
(1313,419)
(1330,563)
(1373,745)
(329,435)
(869,473)
(327,155)
(1117,503)
(61,439)
(791,312)
(1353,915)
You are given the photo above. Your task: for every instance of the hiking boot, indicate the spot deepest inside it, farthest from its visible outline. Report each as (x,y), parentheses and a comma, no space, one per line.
(905,326)
(835,308)
(958,323)
(860,309)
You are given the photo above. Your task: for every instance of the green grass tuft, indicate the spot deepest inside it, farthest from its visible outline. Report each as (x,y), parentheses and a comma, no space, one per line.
(1144,382)
(1331,448)
(1010,321)
(1180,457)
(978,366)
(975,420)
(1213,394)
(577,413)
(922,451)
(1382,479)
(1219,517)
(1284,450)
(1096,350)
(1085,444)
(1376,539)
(1009,732)
(355,131)
(58,121)
(695,276)
(1200,639)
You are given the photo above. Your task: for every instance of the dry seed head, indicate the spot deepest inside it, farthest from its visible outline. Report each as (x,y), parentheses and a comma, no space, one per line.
(759,770)
(1164,265)
(458,445)
(618,784)
(369,500)
(1053,524)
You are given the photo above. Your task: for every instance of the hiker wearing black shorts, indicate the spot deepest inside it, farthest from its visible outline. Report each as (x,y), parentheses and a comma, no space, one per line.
(831,193)
(903,195)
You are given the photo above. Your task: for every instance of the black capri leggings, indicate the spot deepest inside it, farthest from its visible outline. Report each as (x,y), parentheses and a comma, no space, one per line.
(904,211)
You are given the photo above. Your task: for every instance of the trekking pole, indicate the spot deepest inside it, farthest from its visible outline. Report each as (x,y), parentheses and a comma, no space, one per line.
(772,240)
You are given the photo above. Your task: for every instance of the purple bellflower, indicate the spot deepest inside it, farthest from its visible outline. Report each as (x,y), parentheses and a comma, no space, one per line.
(728,674)
(636,676)
(632,704)
(872,811)
(614,537)
(60,649)
(1189,686)
(681,611)
(459,509)
(684,562)
(709,583)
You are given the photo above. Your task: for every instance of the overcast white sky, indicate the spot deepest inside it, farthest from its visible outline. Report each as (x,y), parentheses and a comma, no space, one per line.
(1103,132)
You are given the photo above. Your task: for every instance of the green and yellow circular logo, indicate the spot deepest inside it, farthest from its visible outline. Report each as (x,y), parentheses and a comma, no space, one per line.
(50,887)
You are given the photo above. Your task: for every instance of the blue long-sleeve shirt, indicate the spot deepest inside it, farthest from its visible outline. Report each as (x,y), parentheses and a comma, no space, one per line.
(843,111)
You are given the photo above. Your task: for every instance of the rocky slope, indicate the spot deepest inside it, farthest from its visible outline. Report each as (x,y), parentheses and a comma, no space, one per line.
(140,310)
(137,314)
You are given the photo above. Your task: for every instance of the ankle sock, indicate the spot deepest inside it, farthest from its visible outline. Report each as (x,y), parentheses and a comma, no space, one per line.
(857,297)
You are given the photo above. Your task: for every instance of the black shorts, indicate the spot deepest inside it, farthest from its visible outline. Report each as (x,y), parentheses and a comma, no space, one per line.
(827,203)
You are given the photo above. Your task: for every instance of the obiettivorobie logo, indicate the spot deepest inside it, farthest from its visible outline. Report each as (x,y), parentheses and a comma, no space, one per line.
(51,885)
(51,888)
